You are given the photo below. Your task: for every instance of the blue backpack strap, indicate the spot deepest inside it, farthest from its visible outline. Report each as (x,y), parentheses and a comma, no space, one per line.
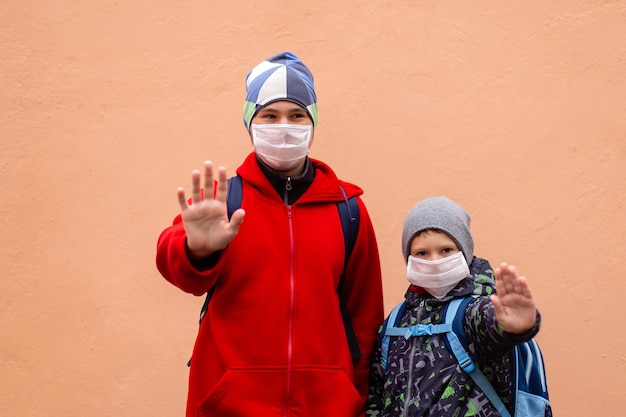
(385,338)
(455,312)
(234,195)
(349,215)
(391,329)
(419,330)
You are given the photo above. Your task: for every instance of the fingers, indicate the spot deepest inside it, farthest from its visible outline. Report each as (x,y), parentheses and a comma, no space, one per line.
(500,289)
(236,219)
(182,201)
(204,191)
(222,182)
(196,197)
(507,280)
(511,282)
(208,179)
(497,305)
(222,185)
(524,287)
(513,303)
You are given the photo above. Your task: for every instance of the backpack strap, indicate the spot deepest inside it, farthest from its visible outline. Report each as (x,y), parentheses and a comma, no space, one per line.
(419,330)
(455,312)
(349,215)
(390,323)
(234,195)
(391,329)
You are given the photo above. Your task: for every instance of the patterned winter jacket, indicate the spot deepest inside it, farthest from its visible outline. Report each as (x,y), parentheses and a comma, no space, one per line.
(423,377)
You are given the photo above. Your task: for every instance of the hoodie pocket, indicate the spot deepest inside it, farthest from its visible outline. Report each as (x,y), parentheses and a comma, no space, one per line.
(246,392)
(327,392)
(316,392)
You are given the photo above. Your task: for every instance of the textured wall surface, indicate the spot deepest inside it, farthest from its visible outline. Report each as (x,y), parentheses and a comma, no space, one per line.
(515,110)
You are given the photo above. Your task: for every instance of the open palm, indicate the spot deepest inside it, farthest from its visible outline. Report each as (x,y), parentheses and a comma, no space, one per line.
(513,302)
(205,216)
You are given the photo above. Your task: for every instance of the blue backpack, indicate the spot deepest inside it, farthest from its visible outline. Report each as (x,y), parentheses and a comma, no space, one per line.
(349,214)
(530,393)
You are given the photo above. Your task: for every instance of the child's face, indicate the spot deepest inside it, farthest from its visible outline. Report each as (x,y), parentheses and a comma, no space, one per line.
(284,112)
(432,245)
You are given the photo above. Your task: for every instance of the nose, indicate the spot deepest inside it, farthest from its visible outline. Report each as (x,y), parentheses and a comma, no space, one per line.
(282,120)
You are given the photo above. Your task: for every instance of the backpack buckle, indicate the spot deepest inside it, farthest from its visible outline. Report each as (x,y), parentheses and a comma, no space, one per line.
(467,363)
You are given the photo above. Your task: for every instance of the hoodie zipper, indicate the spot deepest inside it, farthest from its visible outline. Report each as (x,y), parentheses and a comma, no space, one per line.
(292,296)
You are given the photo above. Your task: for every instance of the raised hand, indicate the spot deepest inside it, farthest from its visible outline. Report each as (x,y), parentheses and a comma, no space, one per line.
(513,302)
(206,218)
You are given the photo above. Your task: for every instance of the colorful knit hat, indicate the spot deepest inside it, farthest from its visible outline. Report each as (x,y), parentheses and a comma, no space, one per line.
(281,77)
(439,213)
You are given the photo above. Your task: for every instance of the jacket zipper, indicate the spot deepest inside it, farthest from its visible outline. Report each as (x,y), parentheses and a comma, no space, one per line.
(292,297)
(409,385)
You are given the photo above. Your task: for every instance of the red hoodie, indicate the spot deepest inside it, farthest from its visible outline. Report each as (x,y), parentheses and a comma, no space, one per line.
(273,341)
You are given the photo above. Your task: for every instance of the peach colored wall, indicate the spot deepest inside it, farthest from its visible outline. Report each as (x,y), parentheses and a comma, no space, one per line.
(514,109)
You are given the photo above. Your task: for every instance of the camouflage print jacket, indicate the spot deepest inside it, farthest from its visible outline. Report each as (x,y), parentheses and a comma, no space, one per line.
(423,378)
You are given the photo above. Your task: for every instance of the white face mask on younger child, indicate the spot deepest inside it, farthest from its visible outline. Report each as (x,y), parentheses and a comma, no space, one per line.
(437,277)
(281,146)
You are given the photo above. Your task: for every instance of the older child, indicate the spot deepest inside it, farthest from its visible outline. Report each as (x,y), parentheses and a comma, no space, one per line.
(422,377)
(273,341)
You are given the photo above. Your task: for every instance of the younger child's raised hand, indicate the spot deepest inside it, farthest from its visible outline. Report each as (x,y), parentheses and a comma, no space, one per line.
(513,302)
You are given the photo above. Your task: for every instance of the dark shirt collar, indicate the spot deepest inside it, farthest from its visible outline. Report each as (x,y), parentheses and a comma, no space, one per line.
(289,188)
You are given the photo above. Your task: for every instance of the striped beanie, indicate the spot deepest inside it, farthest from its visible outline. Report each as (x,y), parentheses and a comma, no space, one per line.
(439,213)
(281,77)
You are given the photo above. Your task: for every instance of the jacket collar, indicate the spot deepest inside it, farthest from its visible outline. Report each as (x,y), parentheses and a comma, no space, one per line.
(288,188)
(320,182)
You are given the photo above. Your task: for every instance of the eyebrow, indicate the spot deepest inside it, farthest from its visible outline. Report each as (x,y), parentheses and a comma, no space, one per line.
(295,109)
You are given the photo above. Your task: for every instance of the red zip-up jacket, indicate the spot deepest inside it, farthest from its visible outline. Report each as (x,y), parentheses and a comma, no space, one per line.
(272,342)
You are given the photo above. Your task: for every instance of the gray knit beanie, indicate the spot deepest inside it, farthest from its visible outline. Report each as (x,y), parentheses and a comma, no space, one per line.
(443,214)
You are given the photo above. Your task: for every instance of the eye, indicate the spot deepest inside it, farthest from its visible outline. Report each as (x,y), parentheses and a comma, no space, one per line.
(421,254)
(299,117)
(448,251)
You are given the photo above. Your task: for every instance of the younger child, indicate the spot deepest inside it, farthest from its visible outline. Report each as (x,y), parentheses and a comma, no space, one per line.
(422,377)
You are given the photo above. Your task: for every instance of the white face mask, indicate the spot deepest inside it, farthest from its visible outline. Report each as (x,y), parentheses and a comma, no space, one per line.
(281,146)
(437,277)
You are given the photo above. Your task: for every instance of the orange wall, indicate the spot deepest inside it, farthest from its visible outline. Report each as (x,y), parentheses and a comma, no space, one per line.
(514,109)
